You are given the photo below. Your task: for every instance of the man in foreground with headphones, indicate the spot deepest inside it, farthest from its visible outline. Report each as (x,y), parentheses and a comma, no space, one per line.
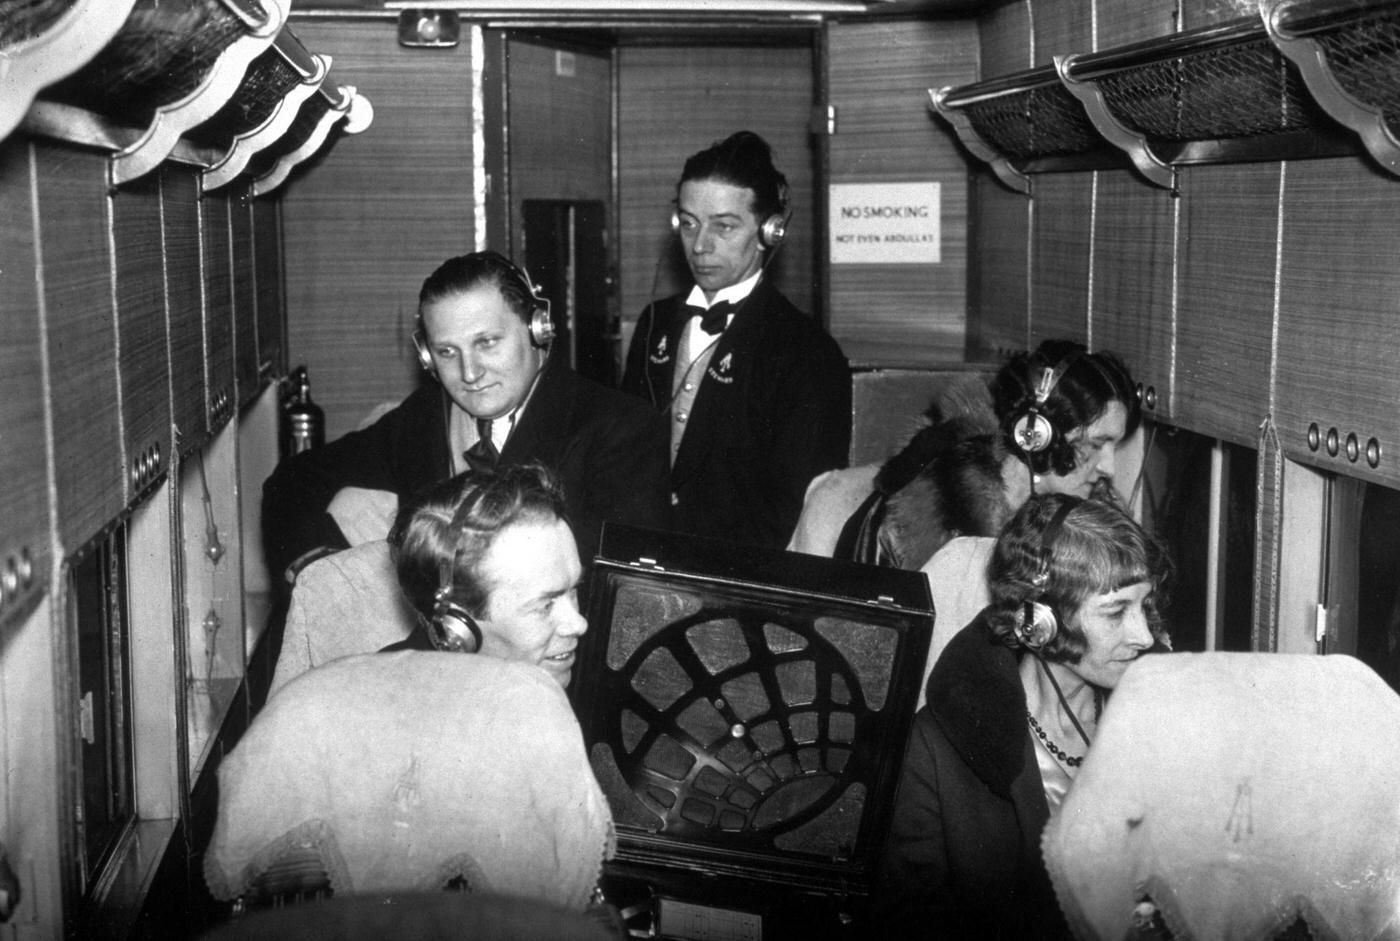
(758,396)
(1013,704)
(498,399)
(487,561)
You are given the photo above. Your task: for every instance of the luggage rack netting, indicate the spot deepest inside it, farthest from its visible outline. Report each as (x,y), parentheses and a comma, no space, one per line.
(753,749)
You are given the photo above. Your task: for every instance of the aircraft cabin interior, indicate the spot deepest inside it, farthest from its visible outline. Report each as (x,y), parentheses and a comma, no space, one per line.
(213,212)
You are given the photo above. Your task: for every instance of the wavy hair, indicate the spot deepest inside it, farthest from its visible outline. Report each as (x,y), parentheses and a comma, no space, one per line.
(458,520)
(745,160)
(1099,548)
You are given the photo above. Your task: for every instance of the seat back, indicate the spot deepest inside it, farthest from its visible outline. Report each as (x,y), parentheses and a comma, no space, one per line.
(406,771)
(1233,795)
(343,604)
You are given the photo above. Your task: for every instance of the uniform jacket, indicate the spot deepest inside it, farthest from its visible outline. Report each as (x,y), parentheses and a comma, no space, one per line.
(772,411)
(608,451)
(963,859)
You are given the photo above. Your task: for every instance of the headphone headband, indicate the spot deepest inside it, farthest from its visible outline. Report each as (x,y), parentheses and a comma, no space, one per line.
(1039,625)
(1032,432)
(452,627)
(537,320)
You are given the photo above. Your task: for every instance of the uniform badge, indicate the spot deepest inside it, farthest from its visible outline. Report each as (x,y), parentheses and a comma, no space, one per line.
(660,356)
(721,372)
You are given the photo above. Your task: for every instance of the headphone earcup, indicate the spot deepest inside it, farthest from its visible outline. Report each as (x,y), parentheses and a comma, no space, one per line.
(773,231)
(541,328)
(453,629)
(425,359)
(1033,432)
(1038,625)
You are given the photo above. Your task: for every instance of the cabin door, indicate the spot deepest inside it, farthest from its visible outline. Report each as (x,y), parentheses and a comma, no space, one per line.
(567,256)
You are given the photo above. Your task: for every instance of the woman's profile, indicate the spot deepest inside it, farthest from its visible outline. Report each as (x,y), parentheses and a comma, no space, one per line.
(1013,705)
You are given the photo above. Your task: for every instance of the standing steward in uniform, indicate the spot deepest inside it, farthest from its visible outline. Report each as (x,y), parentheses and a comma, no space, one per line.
(484,334)
(758,396)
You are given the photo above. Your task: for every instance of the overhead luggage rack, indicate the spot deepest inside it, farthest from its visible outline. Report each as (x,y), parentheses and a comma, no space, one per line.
(1349,56)
(208,83)
(1022,123)
(1219,94)
(1288,84)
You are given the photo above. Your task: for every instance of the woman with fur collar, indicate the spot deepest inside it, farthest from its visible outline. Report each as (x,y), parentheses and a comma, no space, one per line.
(1057,417)
(1013,704)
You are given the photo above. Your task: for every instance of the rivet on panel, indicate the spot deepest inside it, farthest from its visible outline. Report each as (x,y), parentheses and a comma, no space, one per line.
(1150,399)
(26,565)
(1314,437)
(1353,447)
(1373,452)
(1333,442)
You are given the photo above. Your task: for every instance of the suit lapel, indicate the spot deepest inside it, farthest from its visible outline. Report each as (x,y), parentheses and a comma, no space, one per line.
(539,433)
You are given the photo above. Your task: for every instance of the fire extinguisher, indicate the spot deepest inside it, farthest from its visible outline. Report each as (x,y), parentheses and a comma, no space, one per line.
(304,421)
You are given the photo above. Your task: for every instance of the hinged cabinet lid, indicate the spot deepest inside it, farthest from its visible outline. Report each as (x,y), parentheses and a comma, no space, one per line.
(746,709)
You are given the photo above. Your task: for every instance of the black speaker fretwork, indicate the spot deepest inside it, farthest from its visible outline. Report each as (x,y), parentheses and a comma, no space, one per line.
(737,784)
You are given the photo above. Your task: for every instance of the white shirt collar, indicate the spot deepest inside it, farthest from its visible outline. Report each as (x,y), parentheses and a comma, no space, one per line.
(734,293)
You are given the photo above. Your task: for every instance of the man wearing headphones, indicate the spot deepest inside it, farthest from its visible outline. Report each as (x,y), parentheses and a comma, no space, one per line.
(488,564)
(758,397)
(483,335)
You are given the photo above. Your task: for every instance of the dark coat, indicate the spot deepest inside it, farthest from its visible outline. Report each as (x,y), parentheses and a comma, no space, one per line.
(963,859)
(945,483)
(608,451)
(772,411)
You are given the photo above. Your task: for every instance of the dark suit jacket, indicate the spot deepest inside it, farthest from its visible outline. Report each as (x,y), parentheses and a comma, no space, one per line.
(608,451)
(963,858)
(773,410)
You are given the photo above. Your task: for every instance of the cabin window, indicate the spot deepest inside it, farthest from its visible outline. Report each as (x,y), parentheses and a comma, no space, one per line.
(1377,596)
(102,714)
(1198,499)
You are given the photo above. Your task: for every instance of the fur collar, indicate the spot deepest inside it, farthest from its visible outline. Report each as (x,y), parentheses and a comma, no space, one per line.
(956,491)
(975,696)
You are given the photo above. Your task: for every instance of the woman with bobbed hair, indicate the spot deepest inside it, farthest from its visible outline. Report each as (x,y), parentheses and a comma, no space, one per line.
(1013,704)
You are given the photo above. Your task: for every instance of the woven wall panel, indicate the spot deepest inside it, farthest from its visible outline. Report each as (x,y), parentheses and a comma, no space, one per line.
(217,274)
(1004,39)
(267,252)
(245,294)
(380,211)
(179,202)
(998,308)
(1339,331)
(1060,211)
(1225,310)
(77,286)
(1198,13)
(1123,22)
(144,365)
(674,102)
(23,463)
(1061,27)
(1132,290)
(878,78)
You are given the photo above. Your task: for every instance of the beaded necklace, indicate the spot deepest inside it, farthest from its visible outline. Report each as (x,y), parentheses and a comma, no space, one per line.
(1073,761)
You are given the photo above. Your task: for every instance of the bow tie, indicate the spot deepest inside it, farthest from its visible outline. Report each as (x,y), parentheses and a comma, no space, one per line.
(712,321)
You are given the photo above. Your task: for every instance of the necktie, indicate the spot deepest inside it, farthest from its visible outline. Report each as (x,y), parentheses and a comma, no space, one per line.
(483,455)
(712,321)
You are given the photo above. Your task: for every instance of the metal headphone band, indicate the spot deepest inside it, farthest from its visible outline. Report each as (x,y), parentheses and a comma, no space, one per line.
(1032,432)
(1039,625)
(541,324)
(442,636)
